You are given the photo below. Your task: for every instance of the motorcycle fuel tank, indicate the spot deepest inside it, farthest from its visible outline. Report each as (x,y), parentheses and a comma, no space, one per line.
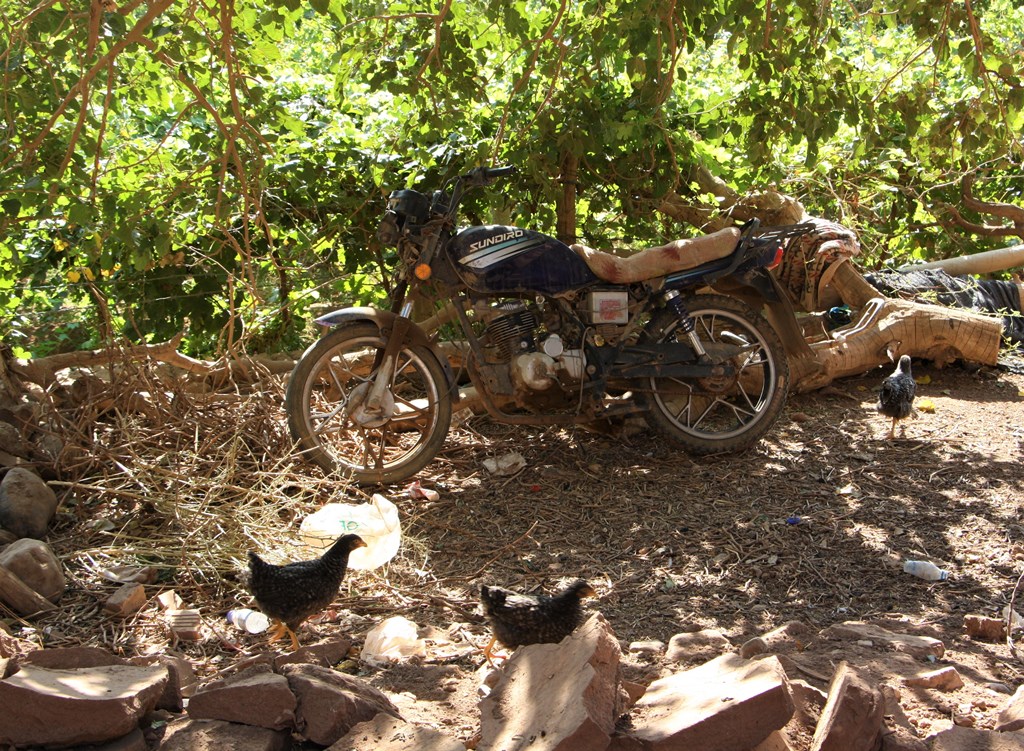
(497,258)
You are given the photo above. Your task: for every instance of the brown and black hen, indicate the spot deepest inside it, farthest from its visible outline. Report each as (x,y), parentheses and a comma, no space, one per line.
(896,398)
(291,593)
(518,619)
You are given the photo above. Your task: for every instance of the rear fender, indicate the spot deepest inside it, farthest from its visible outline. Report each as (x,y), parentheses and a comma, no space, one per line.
(384,320)
(761,290)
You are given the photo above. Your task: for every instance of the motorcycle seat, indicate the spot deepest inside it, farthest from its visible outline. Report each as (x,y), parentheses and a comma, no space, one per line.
(660,260)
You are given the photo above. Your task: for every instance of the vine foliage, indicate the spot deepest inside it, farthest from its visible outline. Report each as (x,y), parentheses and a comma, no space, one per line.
(219,166)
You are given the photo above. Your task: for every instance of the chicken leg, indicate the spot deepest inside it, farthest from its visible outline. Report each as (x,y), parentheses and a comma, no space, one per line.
(281,628)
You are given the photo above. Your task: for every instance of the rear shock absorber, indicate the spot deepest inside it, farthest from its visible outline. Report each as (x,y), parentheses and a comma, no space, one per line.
(674,302)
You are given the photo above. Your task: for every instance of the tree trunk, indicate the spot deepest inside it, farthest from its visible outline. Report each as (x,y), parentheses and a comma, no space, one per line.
(565,206)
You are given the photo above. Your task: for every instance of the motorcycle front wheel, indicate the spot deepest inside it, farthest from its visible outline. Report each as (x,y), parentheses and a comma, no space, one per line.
(719,414)
(332,424)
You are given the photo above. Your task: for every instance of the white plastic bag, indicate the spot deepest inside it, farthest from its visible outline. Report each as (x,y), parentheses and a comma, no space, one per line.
(376,522)
(391,640)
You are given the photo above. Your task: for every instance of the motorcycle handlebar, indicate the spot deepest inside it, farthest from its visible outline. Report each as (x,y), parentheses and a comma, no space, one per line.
(476,177)
(484,175)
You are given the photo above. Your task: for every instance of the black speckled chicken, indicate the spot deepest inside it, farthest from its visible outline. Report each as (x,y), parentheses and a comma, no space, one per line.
(291,593)
(518,619)
(896,398)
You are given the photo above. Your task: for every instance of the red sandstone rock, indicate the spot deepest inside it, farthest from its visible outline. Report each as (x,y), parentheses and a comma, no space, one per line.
(1011,718)
(252,697)
(852,717)
(217,735)
(70,658)
(332,703)
(985,629)
(696,647)
(943,679)
(68,707)
(387,733)
(921,647)
(727,704)
(557,697)
(326,654)
(787,635)
(126,600)
(182,679)
(969,739)
(35,564)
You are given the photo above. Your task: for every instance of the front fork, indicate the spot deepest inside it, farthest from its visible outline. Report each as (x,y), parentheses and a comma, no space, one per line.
(386,370)
(675,303)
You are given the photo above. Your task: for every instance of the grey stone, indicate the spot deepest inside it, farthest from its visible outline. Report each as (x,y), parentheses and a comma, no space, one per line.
(12,442)
(34,563)
(27,504)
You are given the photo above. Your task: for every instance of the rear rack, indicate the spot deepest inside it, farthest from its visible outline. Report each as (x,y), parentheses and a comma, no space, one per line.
(784,232)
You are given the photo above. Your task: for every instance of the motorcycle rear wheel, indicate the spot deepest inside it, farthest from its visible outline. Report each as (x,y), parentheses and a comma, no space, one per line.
(327,416)
(710,416)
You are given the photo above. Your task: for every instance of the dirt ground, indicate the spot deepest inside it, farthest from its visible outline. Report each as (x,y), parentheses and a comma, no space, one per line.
(811,525)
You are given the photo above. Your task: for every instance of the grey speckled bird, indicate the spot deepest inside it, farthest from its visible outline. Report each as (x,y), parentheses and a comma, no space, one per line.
(517,619)
(291,593)
(896,398)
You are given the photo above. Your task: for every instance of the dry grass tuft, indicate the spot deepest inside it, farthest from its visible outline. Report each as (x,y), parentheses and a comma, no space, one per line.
(157,474)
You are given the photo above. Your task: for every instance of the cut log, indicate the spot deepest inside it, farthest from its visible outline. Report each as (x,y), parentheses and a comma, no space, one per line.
(887,328)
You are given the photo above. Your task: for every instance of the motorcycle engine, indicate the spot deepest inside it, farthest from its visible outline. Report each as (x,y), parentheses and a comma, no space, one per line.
(518,336)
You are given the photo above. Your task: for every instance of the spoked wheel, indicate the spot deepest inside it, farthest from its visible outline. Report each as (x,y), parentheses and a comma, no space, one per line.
(330,415)
(724,413)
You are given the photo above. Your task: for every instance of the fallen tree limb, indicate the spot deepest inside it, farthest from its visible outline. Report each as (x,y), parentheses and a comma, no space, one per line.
(43,371)
(887,328)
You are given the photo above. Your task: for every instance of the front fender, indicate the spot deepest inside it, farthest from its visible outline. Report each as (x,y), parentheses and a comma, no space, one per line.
(384,320)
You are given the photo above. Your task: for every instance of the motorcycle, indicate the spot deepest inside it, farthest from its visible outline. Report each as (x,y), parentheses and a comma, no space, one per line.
(548,334)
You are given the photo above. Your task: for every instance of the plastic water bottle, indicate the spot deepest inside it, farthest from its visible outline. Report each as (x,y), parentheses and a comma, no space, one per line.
(252,621)
(926,570)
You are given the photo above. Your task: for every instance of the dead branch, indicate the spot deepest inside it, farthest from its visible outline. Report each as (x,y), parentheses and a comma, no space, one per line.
(771,207)
(43,371)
